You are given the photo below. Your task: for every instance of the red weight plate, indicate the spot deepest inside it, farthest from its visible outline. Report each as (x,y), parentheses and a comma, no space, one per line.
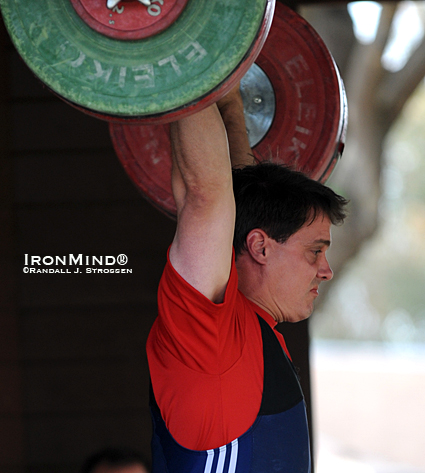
(129,19)
(308,130)
(145,153)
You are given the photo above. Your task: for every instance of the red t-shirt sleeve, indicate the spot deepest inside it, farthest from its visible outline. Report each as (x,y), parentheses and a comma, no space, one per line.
(202,335)
(207,384)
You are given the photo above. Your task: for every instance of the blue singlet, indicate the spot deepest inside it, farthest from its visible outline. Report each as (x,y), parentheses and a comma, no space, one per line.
(278,440)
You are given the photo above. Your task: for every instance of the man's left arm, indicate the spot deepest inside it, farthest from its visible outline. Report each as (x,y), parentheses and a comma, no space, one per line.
(232,113)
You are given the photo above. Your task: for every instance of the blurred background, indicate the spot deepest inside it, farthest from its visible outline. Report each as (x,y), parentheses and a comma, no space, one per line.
(368,333)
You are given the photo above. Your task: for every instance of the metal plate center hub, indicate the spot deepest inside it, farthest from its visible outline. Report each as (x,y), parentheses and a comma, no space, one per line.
(259,102)
(129,19)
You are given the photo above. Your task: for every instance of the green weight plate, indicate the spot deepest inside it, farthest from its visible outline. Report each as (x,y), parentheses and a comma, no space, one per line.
(141,78)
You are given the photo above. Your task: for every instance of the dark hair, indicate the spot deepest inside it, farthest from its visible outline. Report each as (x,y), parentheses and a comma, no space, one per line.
(279,201)
(115,457)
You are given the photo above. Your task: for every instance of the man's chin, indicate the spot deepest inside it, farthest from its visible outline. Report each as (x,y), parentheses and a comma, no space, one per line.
(306,314)
(299,317)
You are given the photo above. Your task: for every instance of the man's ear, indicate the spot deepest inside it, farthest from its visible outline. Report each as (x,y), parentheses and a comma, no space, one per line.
(256,243)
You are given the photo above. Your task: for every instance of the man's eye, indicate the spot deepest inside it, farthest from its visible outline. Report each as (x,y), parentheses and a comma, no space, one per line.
(316,252)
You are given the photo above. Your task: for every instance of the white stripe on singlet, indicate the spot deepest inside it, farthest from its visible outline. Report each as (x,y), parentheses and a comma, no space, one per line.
(208,464)
(221,459)
(233,456)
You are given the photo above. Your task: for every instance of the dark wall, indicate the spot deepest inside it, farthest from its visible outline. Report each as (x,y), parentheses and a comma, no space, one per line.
(73,371)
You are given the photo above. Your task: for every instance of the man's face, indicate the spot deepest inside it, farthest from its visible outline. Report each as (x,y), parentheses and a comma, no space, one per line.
(296,269)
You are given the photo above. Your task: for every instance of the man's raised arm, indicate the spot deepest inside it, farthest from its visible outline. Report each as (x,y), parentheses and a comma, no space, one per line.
(232,112)
(202,186)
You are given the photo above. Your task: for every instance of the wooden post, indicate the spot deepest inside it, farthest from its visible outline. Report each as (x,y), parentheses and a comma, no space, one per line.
(11,407)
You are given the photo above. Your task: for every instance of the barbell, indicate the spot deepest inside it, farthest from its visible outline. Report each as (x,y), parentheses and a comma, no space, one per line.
(141,64)
(295,110)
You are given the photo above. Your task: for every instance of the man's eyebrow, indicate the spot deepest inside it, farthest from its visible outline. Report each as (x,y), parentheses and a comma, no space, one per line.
(322,242)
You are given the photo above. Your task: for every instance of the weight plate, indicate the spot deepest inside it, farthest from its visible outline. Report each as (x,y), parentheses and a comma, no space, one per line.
(145,153)
(308,130)
(177,71)
(295,109)
(129,19)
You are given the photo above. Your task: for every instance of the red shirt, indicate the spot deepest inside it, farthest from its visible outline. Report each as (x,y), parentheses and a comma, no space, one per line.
(206,362)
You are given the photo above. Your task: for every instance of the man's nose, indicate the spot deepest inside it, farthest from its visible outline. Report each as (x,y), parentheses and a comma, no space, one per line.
(325,271)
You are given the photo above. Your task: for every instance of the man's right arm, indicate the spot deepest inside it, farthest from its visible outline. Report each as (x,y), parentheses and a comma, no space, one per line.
(201,251)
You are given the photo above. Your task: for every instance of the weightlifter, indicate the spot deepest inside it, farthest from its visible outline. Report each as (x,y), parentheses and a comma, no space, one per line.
(249,252)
